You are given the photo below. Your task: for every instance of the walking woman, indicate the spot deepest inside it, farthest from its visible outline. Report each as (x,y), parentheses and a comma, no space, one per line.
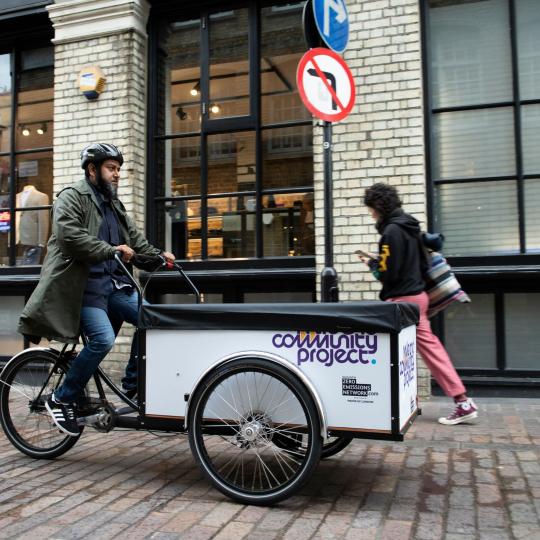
(399,267)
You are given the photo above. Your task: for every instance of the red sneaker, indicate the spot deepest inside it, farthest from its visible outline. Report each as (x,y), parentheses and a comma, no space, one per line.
(463,411)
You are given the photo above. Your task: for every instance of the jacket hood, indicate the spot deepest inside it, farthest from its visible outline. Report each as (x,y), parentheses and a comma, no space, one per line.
(404,220)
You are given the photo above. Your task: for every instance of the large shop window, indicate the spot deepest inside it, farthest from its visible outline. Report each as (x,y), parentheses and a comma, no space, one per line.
(483,113)
(484,87)
(26,165)
(233,174)
(497,334)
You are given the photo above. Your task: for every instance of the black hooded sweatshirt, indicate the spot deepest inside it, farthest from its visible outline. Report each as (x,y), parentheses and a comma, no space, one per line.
(401,262)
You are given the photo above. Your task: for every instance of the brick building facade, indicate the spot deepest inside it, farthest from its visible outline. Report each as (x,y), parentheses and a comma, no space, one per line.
(221,154)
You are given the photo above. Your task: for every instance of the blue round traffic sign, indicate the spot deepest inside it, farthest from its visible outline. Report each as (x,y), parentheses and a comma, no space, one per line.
(332,21)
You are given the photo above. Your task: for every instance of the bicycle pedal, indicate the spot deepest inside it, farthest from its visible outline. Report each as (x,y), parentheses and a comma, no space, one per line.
(101,418)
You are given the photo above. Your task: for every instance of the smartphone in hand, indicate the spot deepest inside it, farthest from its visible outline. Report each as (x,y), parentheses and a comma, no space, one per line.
(363,253)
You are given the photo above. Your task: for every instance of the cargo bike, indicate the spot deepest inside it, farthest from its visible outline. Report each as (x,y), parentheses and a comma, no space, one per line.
(262,390)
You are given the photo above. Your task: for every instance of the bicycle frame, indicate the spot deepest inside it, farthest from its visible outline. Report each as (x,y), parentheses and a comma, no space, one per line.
(99,377)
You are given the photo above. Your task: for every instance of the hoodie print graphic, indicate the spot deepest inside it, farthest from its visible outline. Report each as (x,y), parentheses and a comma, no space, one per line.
(383,256)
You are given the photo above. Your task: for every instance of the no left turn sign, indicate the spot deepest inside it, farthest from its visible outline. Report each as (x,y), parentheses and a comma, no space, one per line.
(325,84)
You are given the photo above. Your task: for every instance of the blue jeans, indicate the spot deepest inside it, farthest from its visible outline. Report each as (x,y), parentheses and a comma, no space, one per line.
(101,329)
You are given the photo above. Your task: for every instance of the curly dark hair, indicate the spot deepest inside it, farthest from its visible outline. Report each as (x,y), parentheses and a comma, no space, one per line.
(383,198)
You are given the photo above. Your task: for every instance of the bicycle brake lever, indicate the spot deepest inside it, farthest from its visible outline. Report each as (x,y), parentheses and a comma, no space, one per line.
(165,262)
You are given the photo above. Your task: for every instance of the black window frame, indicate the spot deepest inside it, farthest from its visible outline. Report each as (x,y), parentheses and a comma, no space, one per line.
(497,275)
(498,261)
(37,33)
(251,122)
(22,30)
(499,286)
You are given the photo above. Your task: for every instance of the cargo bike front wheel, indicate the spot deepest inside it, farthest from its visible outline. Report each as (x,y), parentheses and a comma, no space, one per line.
(238,419)
(25,383)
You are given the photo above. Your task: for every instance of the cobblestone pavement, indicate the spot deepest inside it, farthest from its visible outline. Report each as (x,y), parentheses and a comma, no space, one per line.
(462,482)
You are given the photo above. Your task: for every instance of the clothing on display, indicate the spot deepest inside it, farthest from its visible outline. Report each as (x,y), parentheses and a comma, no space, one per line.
(32,226)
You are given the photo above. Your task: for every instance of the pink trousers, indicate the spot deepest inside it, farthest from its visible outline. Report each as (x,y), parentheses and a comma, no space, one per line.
(431,349)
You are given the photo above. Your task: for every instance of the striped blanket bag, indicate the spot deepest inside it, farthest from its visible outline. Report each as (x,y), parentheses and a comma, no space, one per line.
(442,286)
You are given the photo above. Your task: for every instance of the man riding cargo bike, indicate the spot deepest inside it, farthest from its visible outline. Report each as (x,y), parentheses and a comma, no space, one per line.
(89,226)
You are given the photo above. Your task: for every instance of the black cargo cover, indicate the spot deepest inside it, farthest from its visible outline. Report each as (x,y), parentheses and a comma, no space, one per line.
(376,316)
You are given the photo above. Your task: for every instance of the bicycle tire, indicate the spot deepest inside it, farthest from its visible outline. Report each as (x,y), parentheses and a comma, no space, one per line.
(234,415)
(334,446)
(23,417)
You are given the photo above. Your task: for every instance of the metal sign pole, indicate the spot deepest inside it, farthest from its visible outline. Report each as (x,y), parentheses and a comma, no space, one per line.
(326,21)
(329,277)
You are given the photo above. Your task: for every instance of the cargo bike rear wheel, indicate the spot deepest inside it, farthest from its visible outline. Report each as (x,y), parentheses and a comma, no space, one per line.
(239,417)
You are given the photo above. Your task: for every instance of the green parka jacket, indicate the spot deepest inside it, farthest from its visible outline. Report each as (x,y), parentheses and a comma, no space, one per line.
(53,311)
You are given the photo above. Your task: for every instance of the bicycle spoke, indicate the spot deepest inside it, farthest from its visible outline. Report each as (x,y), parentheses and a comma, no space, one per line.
(13,387)
(27,419)
(261,454)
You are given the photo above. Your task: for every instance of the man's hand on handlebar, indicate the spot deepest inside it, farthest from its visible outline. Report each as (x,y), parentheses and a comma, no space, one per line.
(169,257)
(127,252)
(145,261)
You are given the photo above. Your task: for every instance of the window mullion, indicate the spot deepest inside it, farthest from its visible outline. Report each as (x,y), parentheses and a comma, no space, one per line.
(255,105)
(517,127)
(205,90)
(12,185)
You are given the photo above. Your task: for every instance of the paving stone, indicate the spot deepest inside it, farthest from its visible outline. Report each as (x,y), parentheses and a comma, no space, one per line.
(488,494)
(221,514)
(461,521)
(429,526)
(301,529)
(397,529)
(368,519)
(164,536)
(495,534)
(523,513)
(490,517)
(234,530)
(199,532)
(525,532)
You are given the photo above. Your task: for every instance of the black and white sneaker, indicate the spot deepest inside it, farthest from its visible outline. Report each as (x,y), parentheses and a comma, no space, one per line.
(63,415)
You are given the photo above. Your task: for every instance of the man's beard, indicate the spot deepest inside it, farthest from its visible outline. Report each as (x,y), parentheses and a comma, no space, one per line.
(107,189)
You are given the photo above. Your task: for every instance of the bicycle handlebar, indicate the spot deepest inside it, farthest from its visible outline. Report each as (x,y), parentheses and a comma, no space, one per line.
(155,261)
(160,262)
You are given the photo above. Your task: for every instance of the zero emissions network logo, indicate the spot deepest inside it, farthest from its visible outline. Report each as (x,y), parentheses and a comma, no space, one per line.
(329,348)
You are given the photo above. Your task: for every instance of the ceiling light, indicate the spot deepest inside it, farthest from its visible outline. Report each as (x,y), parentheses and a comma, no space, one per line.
(25,131)
(42,129)
(196,90)
(215,108)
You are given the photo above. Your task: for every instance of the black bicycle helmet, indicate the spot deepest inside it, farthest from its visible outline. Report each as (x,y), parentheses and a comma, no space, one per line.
(99,152)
